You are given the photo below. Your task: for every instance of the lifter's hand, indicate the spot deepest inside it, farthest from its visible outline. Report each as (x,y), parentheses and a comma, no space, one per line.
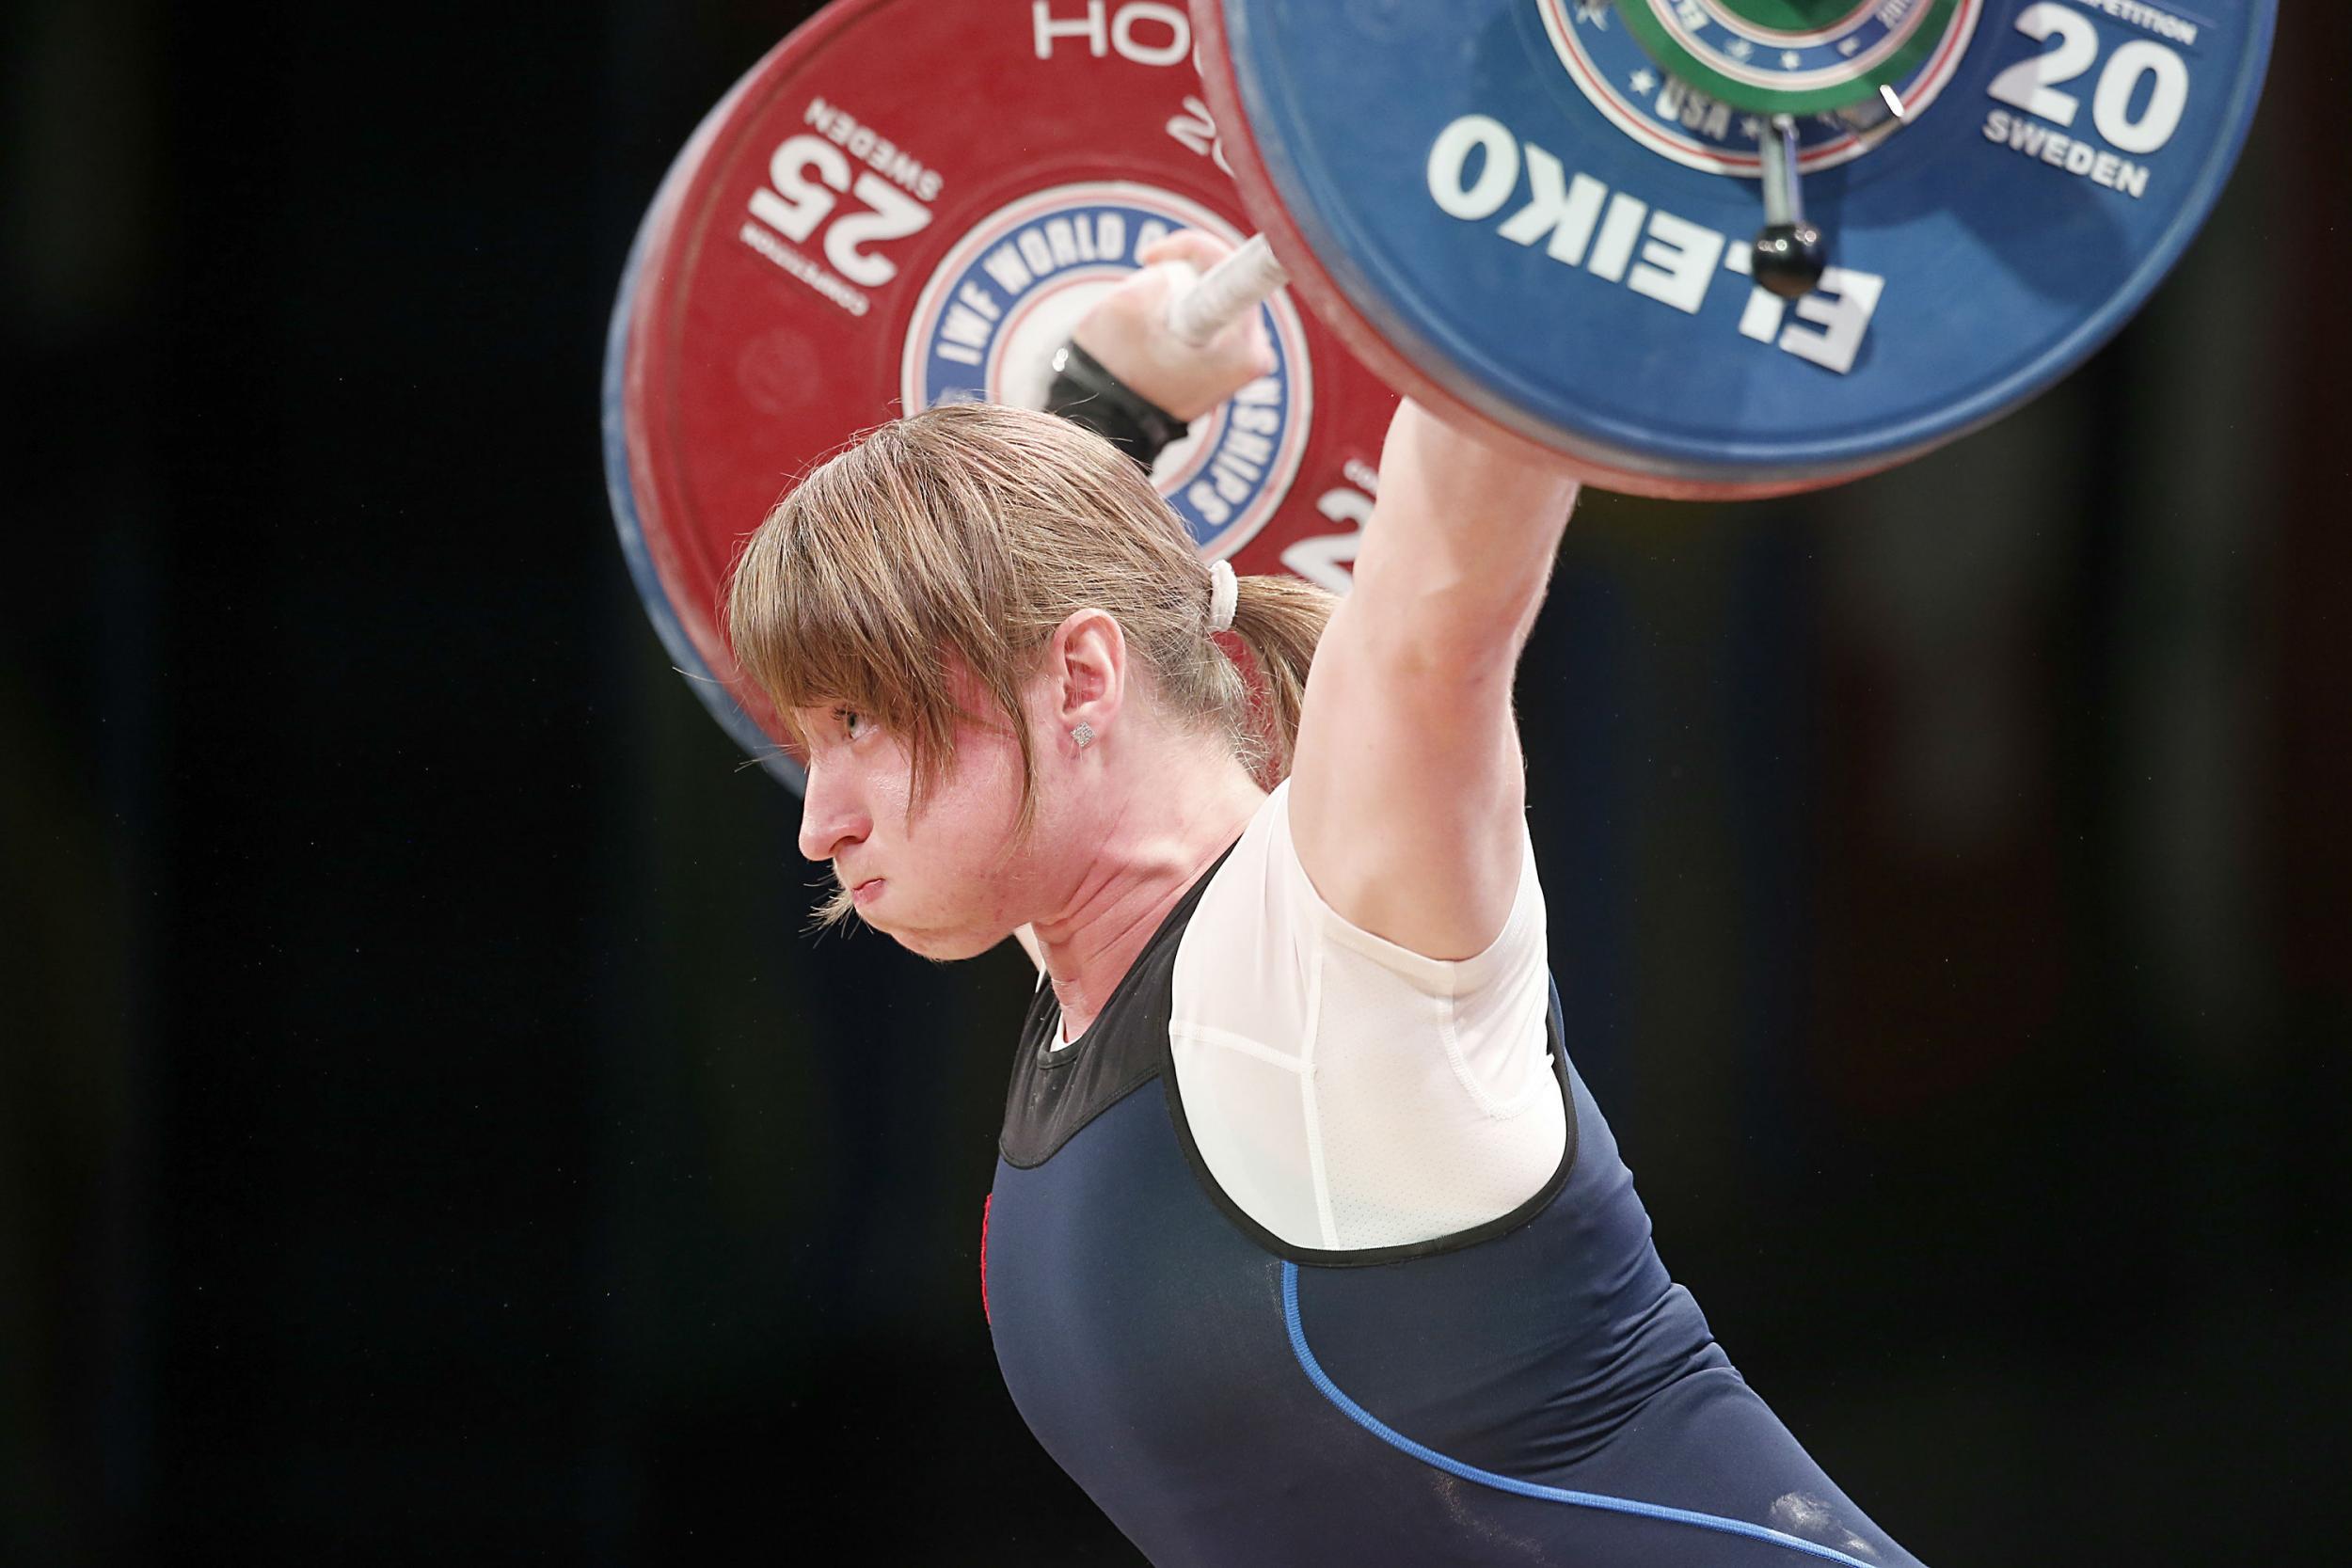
(1127,330)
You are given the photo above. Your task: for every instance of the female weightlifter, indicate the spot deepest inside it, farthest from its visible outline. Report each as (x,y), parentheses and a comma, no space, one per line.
(1306,1246)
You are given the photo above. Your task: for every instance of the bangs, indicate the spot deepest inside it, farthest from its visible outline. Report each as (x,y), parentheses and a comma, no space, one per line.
(854,593)
(815,637)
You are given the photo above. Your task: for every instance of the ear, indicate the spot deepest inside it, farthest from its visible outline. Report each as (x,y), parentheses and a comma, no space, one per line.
(1086,672)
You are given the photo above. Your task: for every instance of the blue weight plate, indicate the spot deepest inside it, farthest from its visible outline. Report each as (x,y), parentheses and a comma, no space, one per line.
(1508,209)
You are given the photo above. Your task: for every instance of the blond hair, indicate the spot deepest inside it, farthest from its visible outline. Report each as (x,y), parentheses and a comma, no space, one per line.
(964,536)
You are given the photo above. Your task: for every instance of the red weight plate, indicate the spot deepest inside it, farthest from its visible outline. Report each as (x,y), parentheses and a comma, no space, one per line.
(909,201)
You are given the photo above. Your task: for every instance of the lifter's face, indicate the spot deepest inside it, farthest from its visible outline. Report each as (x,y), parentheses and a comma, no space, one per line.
(935,876)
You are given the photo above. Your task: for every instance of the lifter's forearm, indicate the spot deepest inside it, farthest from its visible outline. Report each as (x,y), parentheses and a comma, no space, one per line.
(1463,536)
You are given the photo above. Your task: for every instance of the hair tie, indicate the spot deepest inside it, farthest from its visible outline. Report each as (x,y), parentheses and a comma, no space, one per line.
(1223,592)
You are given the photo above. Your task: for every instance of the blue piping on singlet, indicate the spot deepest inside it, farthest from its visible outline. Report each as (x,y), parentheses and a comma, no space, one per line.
(1397,1440)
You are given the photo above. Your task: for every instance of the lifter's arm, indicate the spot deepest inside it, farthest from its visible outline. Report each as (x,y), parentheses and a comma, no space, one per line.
(1405,787)
(1408,790)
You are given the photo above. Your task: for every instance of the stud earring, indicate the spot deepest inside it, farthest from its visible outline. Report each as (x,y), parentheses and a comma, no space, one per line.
(1082,735)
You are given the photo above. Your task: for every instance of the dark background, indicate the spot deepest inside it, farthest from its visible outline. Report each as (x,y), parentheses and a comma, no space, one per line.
(426,1132)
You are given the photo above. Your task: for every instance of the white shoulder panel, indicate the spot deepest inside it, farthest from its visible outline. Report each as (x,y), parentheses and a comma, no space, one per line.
(1345,1092)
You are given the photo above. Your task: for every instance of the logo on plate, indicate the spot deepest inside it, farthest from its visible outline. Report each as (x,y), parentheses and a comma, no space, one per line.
(1012,291)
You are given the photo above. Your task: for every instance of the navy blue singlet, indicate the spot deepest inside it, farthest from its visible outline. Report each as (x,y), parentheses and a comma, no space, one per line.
(1536,1390)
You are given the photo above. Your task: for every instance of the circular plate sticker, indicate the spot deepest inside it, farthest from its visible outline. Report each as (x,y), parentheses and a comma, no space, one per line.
(908,203)
(1790,56)
(1543,228)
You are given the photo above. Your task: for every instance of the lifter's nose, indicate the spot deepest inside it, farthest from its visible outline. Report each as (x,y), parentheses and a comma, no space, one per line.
(832,818)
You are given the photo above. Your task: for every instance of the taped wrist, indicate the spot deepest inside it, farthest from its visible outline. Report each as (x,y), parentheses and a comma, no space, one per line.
(1087,395)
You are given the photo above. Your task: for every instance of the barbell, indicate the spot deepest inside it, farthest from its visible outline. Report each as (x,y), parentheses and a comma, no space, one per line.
(1697,249)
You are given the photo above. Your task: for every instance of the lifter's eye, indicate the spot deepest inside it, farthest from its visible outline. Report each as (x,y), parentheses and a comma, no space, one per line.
(850,721)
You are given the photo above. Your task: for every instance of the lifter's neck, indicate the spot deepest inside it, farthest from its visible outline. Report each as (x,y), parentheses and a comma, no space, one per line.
(1155,845)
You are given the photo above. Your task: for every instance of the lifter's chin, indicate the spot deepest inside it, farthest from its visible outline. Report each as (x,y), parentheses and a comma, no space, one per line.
(944,946)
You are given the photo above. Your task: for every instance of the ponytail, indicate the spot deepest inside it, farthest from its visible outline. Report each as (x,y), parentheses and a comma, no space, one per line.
(1277,622)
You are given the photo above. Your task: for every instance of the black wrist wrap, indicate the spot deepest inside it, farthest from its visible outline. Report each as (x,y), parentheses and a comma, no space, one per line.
(1086,394)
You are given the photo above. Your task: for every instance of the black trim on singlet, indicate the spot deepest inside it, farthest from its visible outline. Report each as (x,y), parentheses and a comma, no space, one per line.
(1056,1093)
(1365,1256)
